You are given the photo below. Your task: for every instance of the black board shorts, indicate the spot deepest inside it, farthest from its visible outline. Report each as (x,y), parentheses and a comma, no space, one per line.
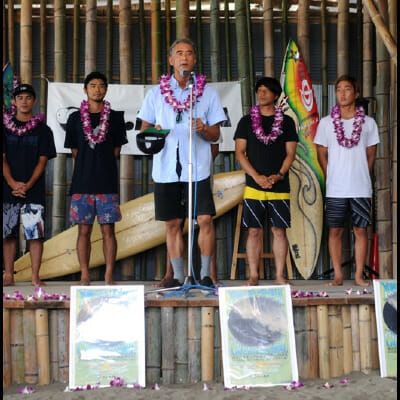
(172,200)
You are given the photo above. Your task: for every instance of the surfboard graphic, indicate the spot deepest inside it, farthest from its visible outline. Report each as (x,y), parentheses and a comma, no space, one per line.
(306,176)
(136,232)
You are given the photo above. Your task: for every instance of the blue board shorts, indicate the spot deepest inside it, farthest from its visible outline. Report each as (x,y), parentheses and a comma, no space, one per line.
(85,207)
(337,210)
(32,218)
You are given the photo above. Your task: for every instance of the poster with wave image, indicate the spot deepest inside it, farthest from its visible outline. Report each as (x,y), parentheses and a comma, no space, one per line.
(385,293)
(107,335)
(257,331)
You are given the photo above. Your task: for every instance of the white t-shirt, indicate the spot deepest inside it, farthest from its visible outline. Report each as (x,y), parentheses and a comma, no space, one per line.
(347,172)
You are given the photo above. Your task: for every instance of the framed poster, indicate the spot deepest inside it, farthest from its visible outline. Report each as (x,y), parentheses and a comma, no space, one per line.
(106,335)
(385,293)
(258,345)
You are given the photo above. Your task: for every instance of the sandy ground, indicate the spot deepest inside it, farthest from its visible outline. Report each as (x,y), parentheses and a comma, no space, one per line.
(359,387)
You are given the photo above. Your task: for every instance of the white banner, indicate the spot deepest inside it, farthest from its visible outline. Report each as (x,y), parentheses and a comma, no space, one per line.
(65,98)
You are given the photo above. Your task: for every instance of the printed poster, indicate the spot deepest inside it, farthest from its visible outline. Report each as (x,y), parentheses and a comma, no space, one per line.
(258,344)
(107,335)
(385,292)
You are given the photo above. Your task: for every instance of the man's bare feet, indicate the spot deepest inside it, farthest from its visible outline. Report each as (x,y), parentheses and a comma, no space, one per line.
(251,282)
(282,281)
(164,281)
(109,282)
(84,282)
(8,280)
(362,282)
(38,283)
(335,282)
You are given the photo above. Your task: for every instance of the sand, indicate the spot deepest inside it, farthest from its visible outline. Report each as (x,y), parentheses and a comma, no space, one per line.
(359,387)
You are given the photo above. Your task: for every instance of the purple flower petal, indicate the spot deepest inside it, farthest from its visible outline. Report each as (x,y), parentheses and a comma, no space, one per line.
(155,387)
(345,380)
(326,385)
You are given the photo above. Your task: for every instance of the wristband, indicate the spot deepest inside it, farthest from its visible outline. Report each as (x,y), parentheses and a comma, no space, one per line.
(282,176)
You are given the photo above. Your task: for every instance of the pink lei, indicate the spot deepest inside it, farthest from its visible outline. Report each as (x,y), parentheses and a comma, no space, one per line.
(90,136)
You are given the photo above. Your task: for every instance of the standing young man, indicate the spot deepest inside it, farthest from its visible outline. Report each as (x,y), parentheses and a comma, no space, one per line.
(95,135)
(167,106)
(27,145)
(346,145)
(265,146)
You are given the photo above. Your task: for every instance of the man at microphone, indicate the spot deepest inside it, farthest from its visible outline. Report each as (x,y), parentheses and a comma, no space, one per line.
(167,106)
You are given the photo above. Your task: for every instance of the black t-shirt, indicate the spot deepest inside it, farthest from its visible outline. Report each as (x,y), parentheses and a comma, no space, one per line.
(95,170)
(267,159)
(22,154)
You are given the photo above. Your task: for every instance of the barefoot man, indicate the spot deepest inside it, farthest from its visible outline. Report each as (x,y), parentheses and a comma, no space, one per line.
(27,145)
(265,145)
(346,145)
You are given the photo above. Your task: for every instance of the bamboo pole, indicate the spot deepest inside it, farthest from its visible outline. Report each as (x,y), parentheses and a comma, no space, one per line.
(75,41)
(312,342)
(300,332)
(4,34)
(90,36)
(167,345)
(355,337)
(194,331)
(343,38)
(379,21)
(142,36)
(250,50)
(42,343)
(7,364)
(284,25)
(30,357)
(303,30)
(43,56)
(383,159)
(243,55)
(26,41)
(227,40)
(207,343)
(347,340)
(323,341)
(17,346)
(360,43)
(199,62)
(217,347)
(11,35)
(374,341)
(53,343)
(109,39)
(168,40)
(182,19)
(60,162)
(268,17)
(181,345)
(368,56)
(63,345)
(126,161)
(156,36)
(335,340)
(324,60)
(153,345)
(364,318)
(214,41)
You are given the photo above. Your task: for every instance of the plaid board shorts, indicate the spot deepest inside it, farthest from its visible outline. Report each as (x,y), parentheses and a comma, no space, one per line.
(84,208)
(32,218)
(337,210)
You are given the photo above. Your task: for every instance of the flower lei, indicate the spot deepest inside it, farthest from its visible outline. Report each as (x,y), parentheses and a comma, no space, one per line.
(276,130)
(87,125)
(167,92)
(357,126)
(23,130)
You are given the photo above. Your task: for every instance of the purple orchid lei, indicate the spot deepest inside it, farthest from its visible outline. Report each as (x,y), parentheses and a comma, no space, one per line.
(87,125)
(256,123)
(23,130)
(167,92)
(339,130)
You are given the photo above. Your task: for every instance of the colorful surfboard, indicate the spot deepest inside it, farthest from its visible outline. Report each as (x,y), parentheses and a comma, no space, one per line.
(306,176)
(7,86)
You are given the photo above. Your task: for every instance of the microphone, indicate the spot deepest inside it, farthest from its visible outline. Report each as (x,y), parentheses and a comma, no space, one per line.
(184,73)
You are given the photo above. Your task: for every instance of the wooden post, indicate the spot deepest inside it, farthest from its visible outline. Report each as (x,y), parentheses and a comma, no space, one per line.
(227,40)
(30,358)
(300,332)
(268,15)
(17,346)
(109,39)
(312,342)
(355,337)
(217,347)
(347,340)
(335,340)
(324,60)
(63,345)
(75,41)
(43,54)
(323,341)
(303,31)
(167,345)
(26,41)
(182,19)
(181,345)
(6,348)
(11,34)
(374,341)
(199,58)
(153,345)
(207,343)
(53,340)
(90,36)
(194,323)
(364,318)
(42,343)
(343,38)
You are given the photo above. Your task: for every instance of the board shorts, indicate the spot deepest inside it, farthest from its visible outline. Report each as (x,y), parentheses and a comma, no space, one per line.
(85,207)
(337,210)
(257,204)
(172,200)
(32,218)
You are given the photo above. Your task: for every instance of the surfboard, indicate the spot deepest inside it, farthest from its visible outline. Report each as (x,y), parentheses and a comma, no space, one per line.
(138,231)
(306,176)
